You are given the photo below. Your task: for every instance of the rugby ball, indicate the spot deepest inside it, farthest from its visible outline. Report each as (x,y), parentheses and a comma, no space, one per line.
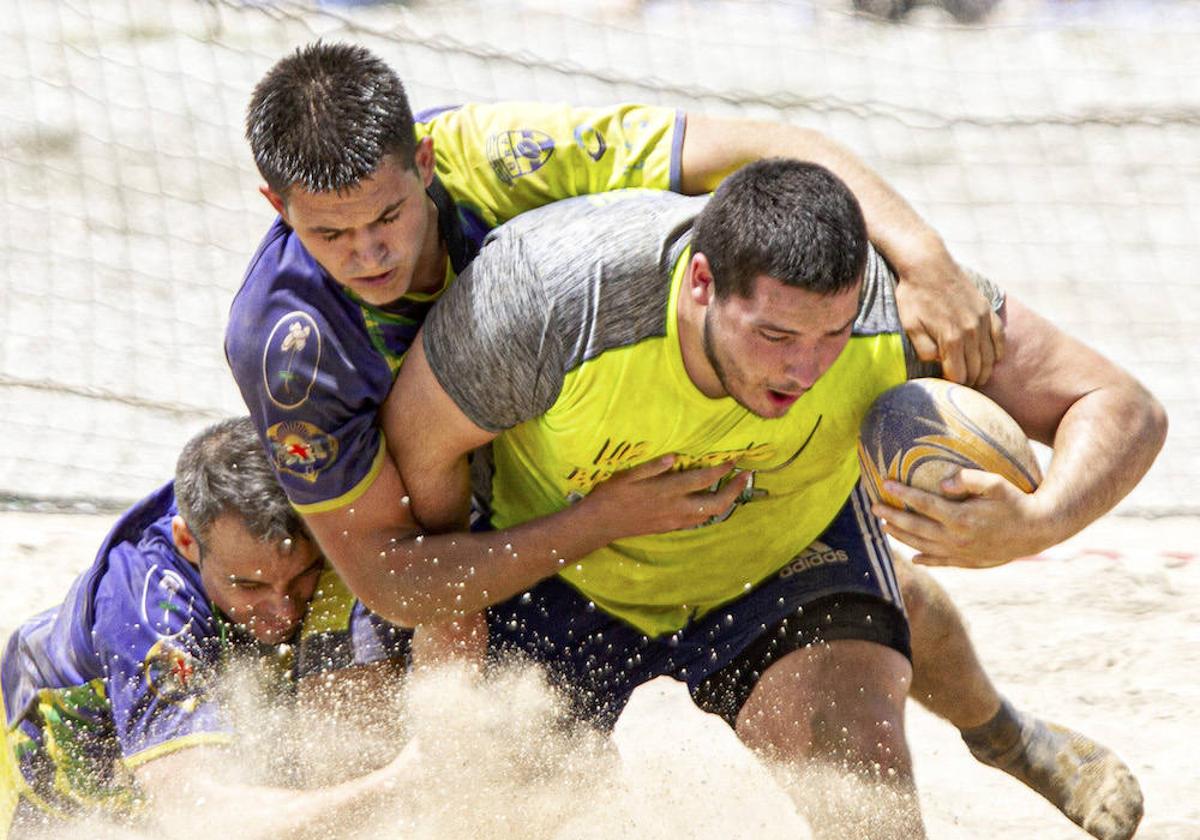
(925,430)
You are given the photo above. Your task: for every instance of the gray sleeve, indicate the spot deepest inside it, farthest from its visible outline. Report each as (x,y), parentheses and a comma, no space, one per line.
(491,339)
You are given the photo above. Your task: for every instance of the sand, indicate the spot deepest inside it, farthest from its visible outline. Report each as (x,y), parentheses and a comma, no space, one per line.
(1101,633)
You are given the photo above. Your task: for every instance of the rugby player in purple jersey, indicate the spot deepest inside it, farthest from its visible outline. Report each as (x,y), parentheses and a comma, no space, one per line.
(115,698)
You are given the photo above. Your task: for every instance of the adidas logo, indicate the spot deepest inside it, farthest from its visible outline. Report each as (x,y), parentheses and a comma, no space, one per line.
(817,554)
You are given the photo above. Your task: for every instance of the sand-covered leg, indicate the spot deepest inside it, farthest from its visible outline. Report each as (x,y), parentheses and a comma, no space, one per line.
(1083,779)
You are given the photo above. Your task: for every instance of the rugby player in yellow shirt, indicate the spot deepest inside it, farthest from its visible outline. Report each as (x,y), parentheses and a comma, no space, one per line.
(598,341)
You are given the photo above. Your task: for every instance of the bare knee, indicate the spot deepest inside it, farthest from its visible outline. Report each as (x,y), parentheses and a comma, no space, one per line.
(915,585)
(932,616)
(841,702)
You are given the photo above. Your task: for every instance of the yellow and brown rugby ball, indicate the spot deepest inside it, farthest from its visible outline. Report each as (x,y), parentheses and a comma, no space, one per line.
(925,430)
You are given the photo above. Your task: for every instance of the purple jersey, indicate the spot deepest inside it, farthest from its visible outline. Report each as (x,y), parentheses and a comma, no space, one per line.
(123,670)
(314,363)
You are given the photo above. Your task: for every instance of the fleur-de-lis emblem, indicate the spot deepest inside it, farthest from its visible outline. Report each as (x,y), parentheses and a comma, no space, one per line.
(296,338)
(291,357)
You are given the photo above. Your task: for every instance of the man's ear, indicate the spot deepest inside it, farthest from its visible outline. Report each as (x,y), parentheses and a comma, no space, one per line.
(424,161)
(276,201)
(185,541)
(700,281)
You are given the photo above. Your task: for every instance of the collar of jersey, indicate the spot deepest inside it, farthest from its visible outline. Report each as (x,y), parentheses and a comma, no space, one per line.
(398,313)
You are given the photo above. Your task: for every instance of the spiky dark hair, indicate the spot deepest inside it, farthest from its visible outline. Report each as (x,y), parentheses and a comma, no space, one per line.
(325,116)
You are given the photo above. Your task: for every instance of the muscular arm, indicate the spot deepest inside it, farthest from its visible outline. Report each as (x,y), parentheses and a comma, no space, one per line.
(177,782)
(385,547)
(1106,430)
(943,314)
(1105,427)
(409,578)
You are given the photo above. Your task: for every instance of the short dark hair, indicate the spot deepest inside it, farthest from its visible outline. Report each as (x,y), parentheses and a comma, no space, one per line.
(325,117)
(793,221)
(224,469)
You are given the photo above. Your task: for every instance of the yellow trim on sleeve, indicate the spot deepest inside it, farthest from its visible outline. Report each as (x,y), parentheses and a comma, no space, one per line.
(353,494)
(175,744)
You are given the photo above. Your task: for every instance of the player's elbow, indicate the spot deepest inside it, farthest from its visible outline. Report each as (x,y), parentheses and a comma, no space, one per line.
(1144,419)
(401,608)
(1153,421)
(394,601)
(391,608)
(378,581)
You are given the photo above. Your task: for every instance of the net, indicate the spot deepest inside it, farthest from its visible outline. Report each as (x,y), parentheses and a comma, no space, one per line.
(1054,148)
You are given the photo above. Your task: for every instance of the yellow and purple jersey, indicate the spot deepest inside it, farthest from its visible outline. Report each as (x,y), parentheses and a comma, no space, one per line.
(314,363)
(125,669)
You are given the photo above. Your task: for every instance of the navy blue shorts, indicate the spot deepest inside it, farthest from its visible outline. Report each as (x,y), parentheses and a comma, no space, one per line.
(843,586)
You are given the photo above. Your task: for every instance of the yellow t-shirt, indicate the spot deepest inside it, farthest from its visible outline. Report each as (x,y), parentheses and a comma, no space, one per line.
(570,346)
(497,161)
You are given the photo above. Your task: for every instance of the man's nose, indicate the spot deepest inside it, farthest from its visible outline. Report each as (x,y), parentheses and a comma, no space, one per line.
(284,606)
(803,368)
(370,248)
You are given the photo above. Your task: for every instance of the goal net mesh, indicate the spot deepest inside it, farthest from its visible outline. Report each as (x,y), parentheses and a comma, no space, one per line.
(1056,148)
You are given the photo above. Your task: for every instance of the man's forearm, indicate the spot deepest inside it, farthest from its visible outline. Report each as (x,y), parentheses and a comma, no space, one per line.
(713,148)
(1104,444)
(261,812)
(418,579)
(175,783)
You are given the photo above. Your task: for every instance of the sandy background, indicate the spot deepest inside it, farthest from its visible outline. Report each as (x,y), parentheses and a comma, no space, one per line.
(1054,150)
(1102,633)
